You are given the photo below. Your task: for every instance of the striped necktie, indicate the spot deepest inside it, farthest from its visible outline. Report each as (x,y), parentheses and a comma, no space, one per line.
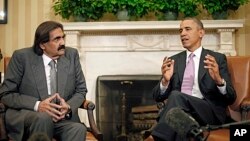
(188,78)
(53,77)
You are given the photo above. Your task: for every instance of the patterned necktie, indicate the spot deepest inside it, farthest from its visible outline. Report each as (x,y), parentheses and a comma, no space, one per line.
(53,79)
(188,78)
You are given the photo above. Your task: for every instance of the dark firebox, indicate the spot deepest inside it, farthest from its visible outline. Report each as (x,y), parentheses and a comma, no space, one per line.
(123,109)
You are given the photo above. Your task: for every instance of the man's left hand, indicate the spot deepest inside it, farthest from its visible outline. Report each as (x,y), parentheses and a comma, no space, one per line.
(65,107)
(213,68)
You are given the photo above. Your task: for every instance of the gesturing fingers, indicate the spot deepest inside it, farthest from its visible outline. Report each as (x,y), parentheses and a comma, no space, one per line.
(167,70)
(167,64)
(210,62)
(213,68)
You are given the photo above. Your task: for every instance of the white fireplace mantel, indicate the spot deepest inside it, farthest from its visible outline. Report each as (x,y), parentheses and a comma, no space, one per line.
(148,25)
(138,47)
(147,35)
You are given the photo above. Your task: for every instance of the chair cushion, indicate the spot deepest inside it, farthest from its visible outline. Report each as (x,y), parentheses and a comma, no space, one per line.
(219,135)
(90,137)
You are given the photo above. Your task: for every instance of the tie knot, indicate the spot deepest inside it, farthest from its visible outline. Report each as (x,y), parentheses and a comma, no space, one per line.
(52,63)
(191,56)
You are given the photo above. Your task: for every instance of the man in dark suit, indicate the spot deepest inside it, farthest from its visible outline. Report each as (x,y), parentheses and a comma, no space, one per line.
(211,88)
(33,107)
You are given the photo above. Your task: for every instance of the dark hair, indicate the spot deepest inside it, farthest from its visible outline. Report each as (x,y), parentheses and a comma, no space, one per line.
(197,21)
(42,34)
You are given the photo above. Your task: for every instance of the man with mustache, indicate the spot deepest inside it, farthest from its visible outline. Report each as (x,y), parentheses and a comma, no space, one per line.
(43,88)
(210,92)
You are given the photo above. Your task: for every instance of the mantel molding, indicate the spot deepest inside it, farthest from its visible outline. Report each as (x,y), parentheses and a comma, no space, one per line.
(147,25)
(147,35)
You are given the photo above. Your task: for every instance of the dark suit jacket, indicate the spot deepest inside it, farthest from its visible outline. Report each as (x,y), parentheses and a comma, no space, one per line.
(25,83)
(208,88)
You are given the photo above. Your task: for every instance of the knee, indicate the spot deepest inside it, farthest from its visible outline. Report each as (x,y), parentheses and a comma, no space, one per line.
(73,131)
(80,127)
(41,122)
(42,118)
(177,98)
(175,95)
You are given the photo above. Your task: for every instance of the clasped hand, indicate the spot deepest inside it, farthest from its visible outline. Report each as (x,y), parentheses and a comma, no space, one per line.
(55,106)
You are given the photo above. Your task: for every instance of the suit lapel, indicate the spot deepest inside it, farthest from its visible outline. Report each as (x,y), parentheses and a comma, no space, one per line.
(202,70)
(41,82)
(181,63)
(62,74)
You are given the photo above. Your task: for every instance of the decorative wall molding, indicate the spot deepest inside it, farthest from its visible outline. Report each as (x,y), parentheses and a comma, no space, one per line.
(147,25)
(148,35)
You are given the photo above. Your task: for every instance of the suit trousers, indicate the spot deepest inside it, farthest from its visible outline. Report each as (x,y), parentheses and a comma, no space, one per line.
(41,122)
(198,108)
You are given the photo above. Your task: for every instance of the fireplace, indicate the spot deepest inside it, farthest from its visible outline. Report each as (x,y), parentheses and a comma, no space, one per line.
(116,96)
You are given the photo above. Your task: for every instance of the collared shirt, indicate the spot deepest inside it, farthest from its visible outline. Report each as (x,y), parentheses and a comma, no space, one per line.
(46,61)
(196,89)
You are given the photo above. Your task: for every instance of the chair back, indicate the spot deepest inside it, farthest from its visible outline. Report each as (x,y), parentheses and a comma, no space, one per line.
(239,68)
(6,62)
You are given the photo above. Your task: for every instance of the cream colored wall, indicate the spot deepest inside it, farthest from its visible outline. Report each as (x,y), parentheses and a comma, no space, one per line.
(243,35)
(25,15)
(246,34)
(23,18)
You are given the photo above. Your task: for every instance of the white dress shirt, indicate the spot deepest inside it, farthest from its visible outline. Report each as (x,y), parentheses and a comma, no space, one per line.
(46,61)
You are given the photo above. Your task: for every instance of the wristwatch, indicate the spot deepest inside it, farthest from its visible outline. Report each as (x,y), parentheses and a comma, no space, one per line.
(69,113)
(222,83)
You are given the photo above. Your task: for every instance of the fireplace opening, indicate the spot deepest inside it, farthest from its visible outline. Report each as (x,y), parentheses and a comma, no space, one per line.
(122,104)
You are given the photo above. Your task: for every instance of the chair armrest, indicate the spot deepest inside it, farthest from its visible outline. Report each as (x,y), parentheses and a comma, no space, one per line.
(161,105)
(245,108)
(3,135)
(90,106)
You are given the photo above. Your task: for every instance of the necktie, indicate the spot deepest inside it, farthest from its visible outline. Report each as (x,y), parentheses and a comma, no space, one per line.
(188,78)
(53,79)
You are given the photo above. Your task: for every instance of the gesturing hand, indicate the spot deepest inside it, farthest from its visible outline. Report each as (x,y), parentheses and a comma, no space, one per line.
(167,70)
(213,68)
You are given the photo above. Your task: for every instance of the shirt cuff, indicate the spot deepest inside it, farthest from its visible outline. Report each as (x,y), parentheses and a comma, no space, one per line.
(163,88)
(36,106)
(223,88)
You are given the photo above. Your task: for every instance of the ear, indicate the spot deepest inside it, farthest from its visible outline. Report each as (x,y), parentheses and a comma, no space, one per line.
(42,46)
(202,33)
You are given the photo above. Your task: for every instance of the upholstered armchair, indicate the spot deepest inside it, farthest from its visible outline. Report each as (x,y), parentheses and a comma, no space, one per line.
(239,68)
(93,133)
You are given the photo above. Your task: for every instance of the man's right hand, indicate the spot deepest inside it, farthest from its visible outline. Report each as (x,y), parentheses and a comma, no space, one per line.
(167,70)
(51,108)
